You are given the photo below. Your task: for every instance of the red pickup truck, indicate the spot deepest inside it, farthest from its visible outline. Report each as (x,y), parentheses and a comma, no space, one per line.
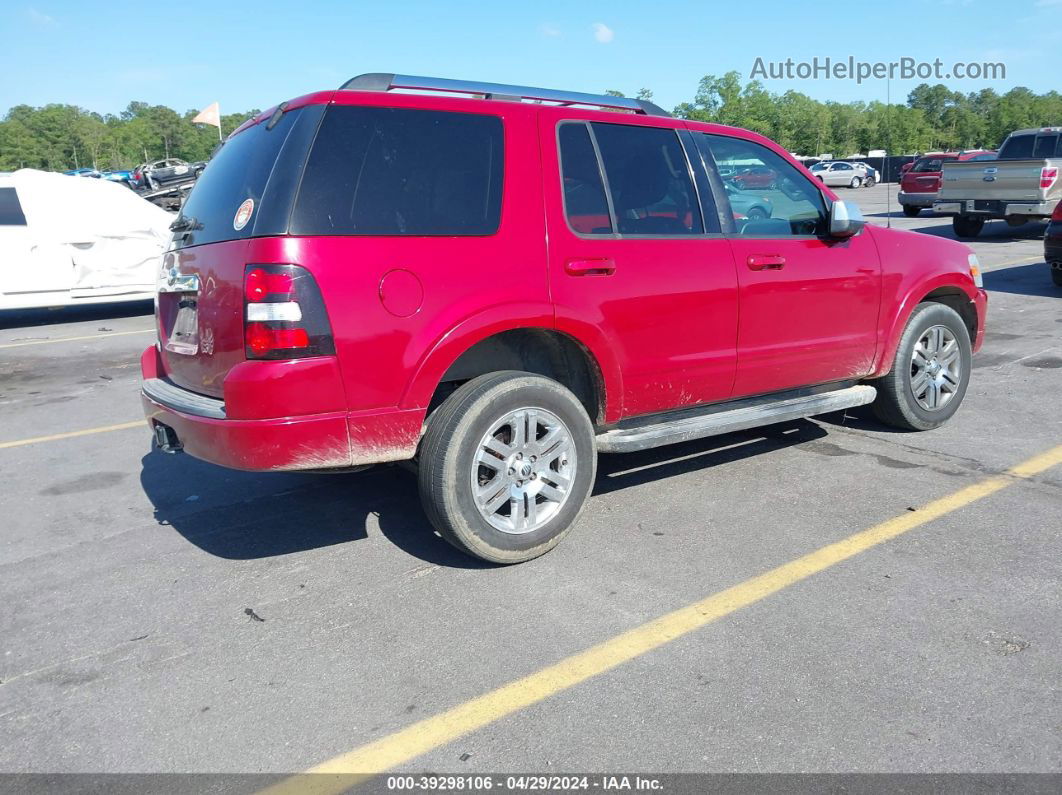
(920,183)
(501,289)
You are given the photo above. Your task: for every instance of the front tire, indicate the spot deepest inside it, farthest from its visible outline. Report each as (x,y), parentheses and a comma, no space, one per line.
(930,372)
(506,465)
(1056,274)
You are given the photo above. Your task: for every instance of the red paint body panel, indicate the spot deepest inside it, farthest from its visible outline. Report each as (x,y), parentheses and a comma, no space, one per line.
(667,322)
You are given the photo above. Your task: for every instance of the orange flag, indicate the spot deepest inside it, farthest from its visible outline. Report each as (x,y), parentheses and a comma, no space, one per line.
(211,114)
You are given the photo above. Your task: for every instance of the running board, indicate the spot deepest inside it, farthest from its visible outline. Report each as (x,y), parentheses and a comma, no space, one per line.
(743,414)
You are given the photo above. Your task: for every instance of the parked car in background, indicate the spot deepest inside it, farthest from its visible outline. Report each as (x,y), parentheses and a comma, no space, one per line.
(745,204)
(1053,245)
(1020,185)
(125,177)
(69,242)
(754,177)
(839,173)
(919,186)
(871,176)
(165,172)
(82,172)
(313,311)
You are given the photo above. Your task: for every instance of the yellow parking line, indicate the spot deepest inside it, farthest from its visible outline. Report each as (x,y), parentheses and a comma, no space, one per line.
(77,339)
(348,769)
(71,434)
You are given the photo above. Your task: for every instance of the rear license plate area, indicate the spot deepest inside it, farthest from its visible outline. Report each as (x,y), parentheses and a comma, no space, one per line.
(987,206)
(184,338)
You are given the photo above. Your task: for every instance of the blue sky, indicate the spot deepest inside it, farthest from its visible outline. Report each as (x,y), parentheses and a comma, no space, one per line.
(254,53)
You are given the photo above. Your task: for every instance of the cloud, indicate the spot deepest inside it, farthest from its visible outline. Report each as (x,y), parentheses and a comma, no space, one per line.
(602,32)
(39,18)
(549,30)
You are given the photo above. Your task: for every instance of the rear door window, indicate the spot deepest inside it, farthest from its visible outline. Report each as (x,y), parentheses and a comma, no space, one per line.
(10,208)
(401,171)
(649,180)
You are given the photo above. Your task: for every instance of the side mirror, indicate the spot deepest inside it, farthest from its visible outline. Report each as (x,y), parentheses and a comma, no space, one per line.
(846,219)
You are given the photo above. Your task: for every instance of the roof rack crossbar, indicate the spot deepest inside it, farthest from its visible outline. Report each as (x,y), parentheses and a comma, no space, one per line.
(380,81)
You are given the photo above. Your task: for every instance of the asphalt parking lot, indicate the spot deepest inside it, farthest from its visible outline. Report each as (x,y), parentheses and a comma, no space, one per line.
(159,614)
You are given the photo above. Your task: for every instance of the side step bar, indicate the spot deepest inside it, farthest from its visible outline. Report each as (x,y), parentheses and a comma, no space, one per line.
(742,415)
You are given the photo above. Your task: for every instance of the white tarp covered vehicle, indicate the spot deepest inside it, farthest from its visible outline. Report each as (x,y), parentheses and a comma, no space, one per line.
(68,240)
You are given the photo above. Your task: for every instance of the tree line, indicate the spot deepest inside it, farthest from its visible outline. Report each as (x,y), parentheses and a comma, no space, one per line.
(62,137)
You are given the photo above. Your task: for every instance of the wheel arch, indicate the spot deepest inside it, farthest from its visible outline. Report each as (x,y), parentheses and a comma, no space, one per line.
(535,348)
(942,290)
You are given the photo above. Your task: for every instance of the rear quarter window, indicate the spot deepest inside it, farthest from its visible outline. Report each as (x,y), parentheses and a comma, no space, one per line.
(402,171)
(10,209)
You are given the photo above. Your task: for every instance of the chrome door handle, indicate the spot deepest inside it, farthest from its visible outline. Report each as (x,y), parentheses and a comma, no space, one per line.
(765,262)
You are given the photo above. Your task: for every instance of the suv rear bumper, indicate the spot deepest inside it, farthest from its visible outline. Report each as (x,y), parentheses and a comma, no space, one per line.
(321,440)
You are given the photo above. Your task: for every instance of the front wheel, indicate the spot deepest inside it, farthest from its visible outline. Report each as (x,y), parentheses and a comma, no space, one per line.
(870,183)
(506,464)
(930,372)
(1056,273)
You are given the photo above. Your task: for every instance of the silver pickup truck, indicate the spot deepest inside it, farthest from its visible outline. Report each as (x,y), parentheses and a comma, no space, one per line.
(1022,184)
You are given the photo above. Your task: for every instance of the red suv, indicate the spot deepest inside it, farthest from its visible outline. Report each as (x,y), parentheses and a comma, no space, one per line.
(920,183)
(502,289)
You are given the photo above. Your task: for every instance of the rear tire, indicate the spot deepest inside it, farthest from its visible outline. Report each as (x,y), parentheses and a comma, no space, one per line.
(911,211)
(506,465)
(856,182)
(965,226)
(930,372)
(1056,274)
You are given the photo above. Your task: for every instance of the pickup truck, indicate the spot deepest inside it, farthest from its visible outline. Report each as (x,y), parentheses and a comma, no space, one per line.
(1019,186)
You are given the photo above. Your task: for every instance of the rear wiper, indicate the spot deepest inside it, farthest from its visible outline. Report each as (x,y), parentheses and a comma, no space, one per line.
(185,223)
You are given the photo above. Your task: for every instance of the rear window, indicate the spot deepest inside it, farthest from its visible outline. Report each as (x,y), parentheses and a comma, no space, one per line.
(1017,147)
(239,171)
(10,209)
(401,171)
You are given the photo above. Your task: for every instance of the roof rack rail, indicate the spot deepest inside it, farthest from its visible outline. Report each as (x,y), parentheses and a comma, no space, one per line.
(380,81)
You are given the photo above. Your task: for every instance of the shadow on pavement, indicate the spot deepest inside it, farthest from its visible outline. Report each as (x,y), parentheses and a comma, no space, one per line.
(1033,279)
(993,232)
(285,513)
(22,318)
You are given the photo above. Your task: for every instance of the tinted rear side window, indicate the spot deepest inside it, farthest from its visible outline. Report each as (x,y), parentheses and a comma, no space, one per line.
(649,180)
(927,165)
(399,171)
(10,209)
(1017,147)
(584,194)
(239,171)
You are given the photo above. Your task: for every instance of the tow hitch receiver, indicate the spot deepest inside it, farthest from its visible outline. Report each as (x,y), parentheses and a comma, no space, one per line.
(166,439)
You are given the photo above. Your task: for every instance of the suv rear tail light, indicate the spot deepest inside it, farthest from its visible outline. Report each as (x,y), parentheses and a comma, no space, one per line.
(1048,175)
(284,315)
